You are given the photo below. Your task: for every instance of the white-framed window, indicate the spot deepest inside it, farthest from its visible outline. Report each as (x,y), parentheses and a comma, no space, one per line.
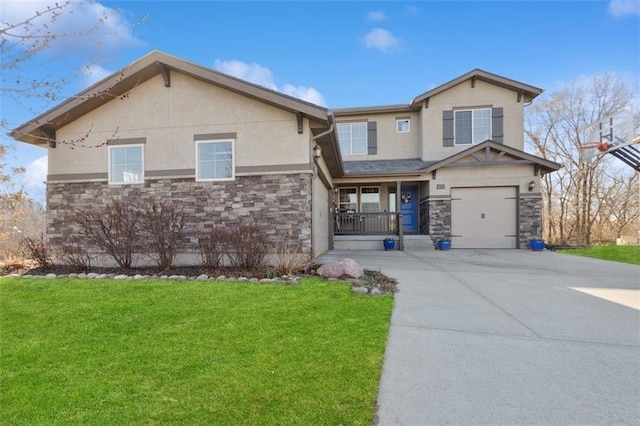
(214,160)
(363,200)
(403,125)
(472,126)
(370,199)
(352,138)
(348,202)
(126,164)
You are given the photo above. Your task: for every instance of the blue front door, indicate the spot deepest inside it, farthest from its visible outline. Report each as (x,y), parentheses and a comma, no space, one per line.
(409,209)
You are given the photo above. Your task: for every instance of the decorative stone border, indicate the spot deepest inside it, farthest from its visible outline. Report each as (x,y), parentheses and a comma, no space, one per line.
(289,279)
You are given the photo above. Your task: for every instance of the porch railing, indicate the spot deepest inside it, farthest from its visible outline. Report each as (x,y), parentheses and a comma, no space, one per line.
(353,223)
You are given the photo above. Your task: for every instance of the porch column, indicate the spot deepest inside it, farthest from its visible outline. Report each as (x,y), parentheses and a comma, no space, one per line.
(399,213)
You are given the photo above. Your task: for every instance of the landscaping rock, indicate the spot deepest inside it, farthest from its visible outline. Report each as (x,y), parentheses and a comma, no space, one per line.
(102,276)
(82,275)
(121,277)
(346,267)
(138,277)
(202,277)
(360,290)
(72,275)
(375,291)
(92,275)
(50,276)
(221,278)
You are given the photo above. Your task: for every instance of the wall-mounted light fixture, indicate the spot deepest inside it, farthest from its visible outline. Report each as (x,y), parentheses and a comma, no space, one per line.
(532,185)
(317,152)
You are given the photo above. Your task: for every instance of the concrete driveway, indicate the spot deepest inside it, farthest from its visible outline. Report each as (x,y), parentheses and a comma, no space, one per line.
(509,337)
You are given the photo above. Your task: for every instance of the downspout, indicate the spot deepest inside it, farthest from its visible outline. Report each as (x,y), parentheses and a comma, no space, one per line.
(332,124)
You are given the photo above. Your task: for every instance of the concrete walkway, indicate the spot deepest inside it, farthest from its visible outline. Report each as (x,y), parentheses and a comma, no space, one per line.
(509,337)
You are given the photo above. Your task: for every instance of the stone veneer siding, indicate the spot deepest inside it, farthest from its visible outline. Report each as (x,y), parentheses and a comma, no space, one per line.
(279,204)
(530,211)
(439,218)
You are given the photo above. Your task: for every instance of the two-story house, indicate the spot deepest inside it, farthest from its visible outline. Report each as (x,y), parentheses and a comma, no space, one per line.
(450,163)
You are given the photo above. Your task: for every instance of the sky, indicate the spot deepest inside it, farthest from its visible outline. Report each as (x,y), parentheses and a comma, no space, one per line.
(332,53)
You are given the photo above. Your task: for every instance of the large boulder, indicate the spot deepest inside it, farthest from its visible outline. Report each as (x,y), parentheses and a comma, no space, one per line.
(346,267)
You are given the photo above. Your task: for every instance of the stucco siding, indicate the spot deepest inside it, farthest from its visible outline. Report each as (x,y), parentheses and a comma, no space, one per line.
(391,145)
(168,119)
(446,178)
(464,96)
(321,218)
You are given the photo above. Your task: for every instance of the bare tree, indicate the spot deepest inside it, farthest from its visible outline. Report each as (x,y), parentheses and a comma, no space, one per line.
(575,195)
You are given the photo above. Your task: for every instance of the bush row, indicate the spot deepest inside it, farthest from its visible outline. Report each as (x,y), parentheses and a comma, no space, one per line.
(154,228)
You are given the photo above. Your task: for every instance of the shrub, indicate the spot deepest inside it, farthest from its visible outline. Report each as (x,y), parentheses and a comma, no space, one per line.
(74,255)
(36,249)
(114,229)
(289,258)
(163,224)
(212,247)
(247,246)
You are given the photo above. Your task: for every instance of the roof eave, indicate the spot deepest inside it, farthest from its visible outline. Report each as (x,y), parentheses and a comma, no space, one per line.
(527,90)
(145,68)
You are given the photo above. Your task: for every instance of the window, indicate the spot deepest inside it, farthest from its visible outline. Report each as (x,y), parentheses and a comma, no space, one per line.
(348,199)
(214,160)
(126,164)
(353,138)
(369,199)
(472,126)
(403,125)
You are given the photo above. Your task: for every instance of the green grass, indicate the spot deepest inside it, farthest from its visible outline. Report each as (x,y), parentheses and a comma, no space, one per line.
(158,352)
(625,254)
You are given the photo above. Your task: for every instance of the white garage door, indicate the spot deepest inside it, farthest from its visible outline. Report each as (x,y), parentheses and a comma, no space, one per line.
(483,217)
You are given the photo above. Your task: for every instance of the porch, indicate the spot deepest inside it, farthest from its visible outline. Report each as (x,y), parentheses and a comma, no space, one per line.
(366,231)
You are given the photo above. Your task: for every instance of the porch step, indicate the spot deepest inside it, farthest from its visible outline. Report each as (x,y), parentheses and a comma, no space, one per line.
(374,242)
(418,242)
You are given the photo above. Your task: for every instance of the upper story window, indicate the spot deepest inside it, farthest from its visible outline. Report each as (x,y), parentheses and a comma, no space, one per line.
(353,138)
(403,125)
(214,160)
(126,164)
(472,126)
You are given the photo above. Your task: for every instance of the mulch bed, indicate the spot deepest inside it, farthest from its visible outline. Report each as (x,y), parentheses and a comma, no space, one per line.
(370,279)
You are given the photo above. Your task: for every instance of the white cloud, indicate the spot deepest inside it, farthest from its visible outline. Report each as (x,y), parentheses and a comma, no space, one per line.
(34,177)
(382,40)
(621,8)
(80,25)
(253,73)
(93,73)
(257,74)
(308,94)
(376,16)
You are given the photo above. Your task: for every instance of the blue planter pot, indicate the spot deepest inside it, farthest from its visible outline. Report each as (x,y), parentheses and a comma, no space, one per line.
(537,245)
(389,244)
(444,245)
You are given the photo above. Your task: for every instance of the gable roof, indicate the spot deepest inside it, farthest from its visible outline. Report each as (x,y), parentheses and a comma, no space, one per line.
(527,90)
(488,153)
(120,82)
(482,155)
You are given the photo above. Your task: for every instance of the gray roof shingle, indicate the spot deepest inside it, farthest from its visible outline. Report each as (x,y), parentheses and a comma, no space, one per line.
(385,166)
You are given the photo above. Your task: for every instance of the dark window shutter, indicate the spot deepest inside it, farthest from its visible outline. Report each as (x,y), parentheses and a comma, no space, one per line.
(372,138)
(447,128)
(497,128)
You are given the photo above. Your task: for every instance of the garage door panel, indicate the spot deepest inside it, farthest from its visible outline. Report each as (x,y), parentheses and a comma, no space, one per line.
(483,217)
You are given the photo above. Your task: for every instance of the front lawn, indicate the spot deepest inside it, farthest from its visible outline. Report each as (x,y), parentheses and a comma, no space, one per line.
(625,254)
(156,352)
